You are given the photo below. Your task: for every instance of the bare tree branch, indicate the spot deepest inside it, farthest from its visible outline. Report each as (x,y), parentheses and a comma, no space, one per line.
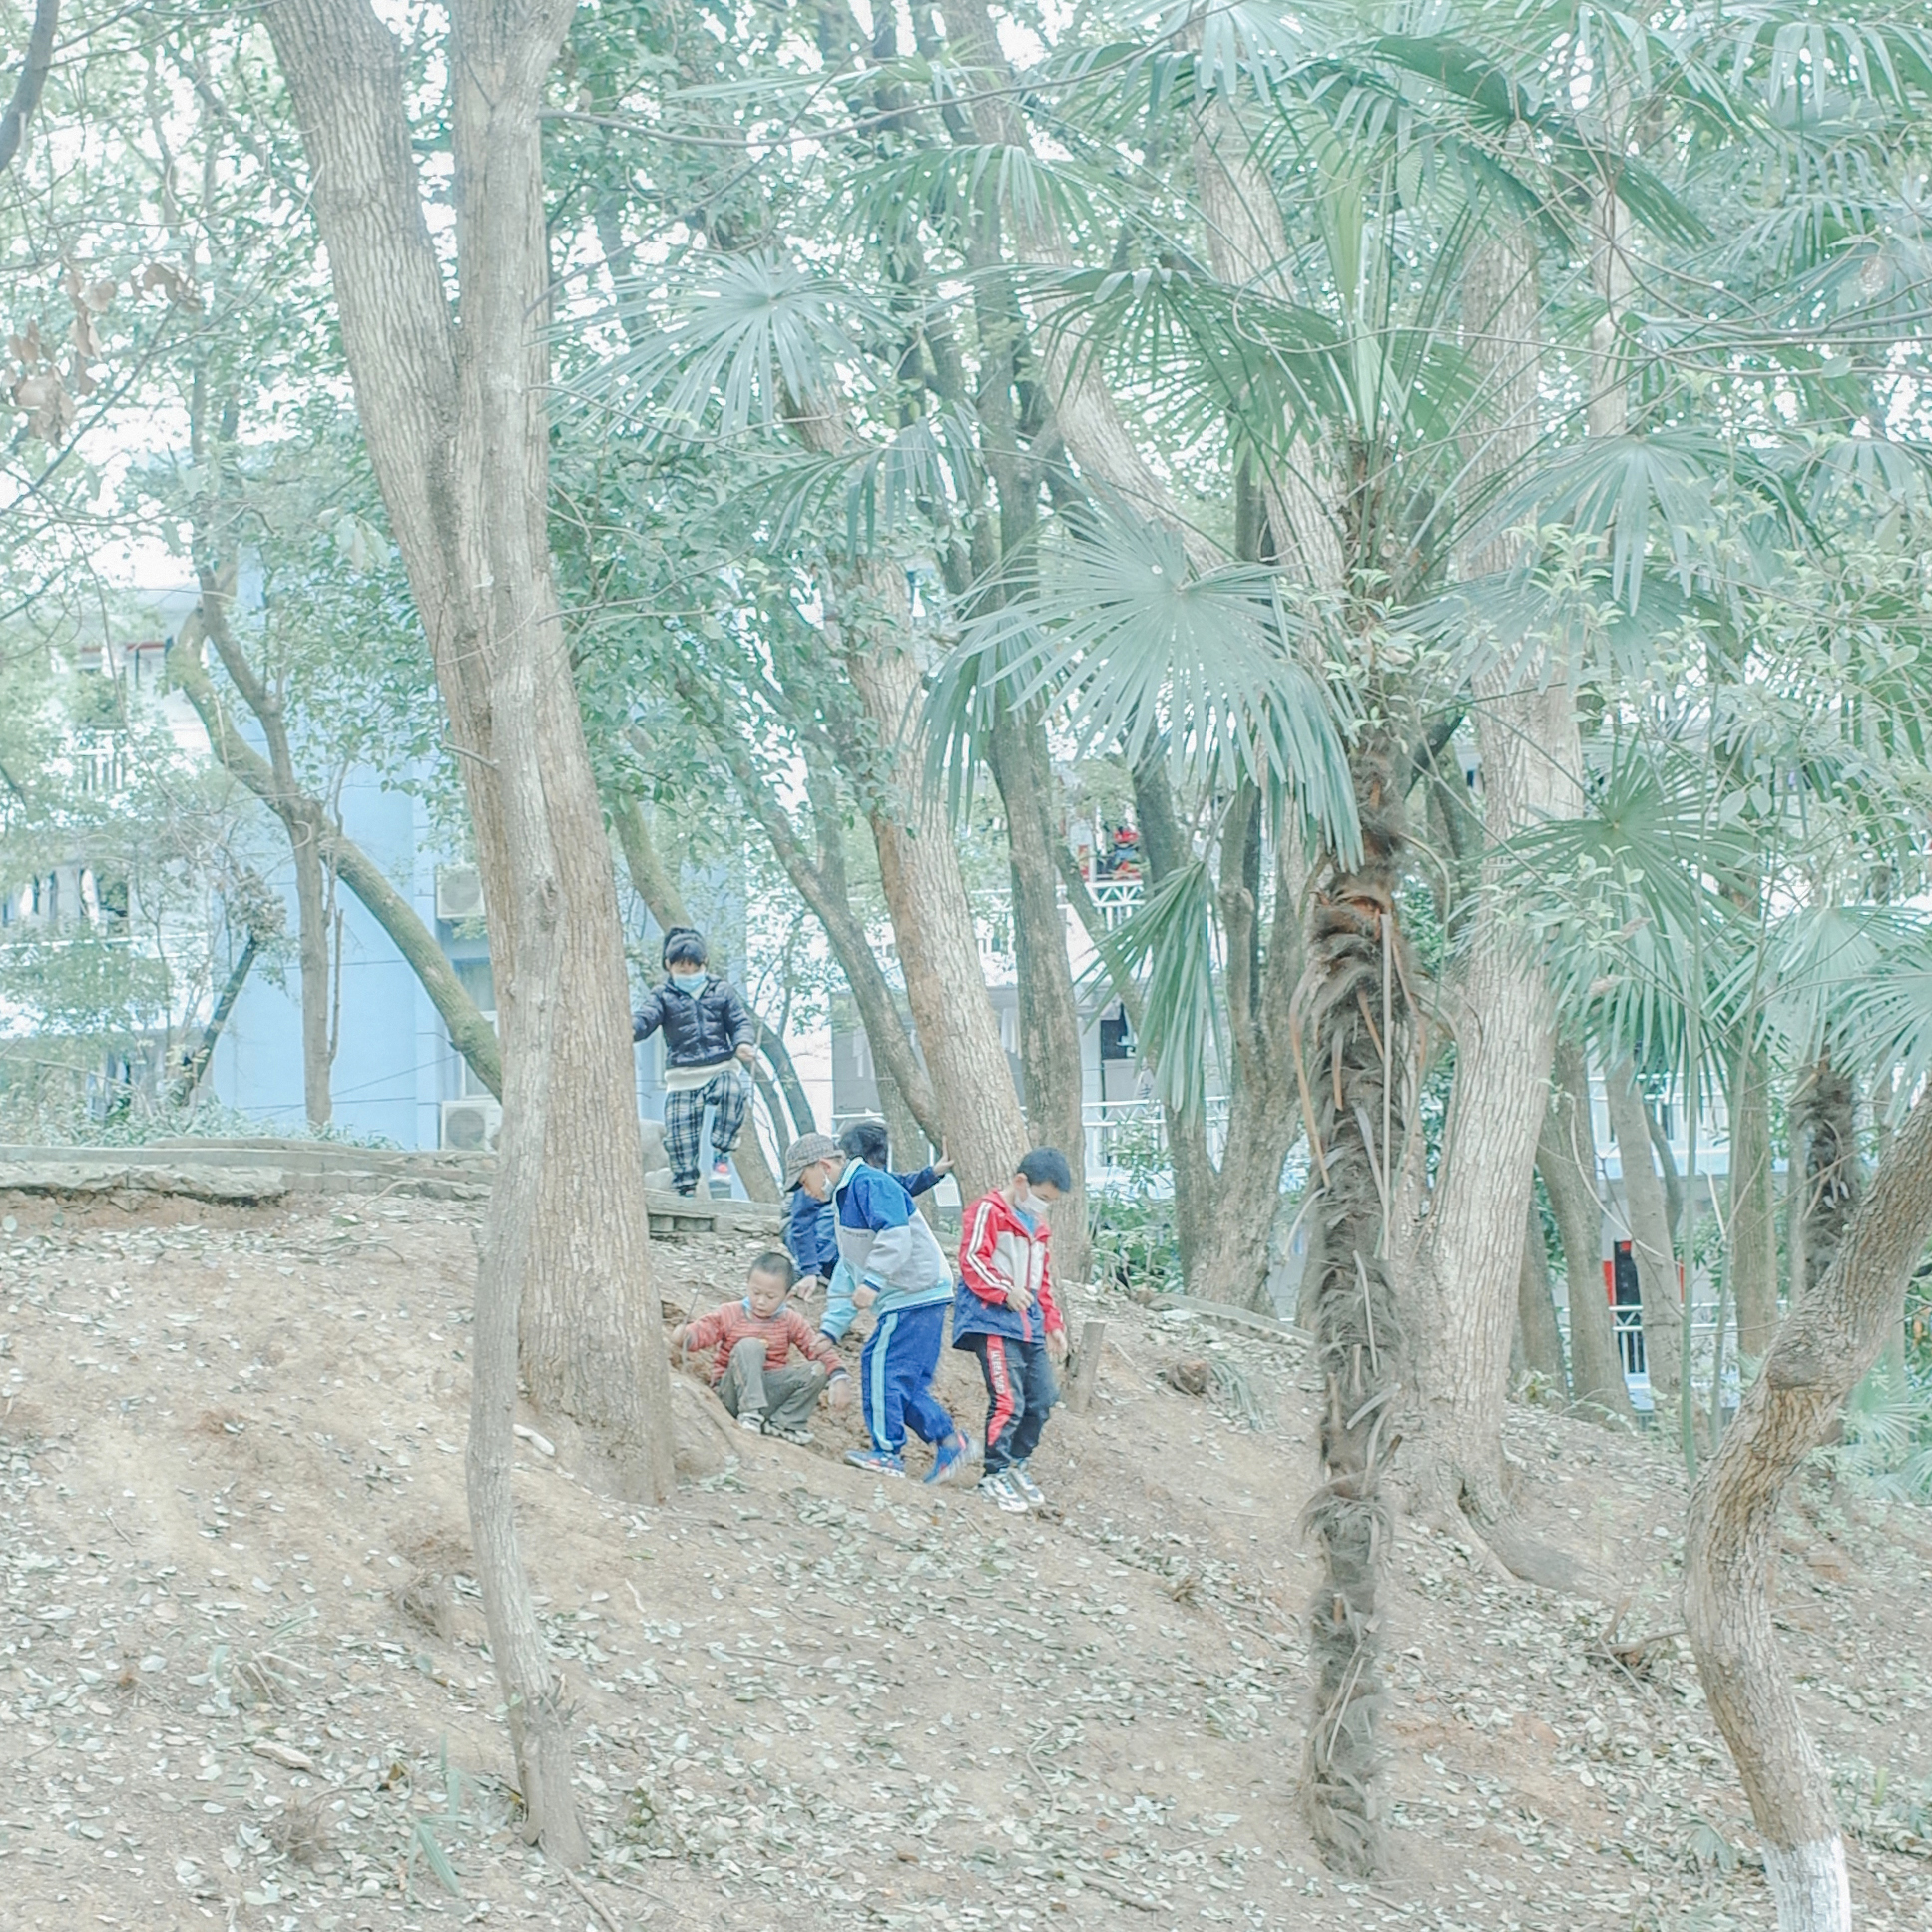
(33,77)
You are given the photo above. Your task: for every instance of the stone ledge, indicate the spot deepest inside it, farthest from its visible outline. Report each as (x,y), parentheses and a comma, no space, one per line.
(266,1169)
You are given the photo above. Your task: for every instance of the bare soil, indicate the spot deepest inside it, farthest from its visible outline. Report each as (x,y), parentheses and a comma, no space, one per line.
(242,1678)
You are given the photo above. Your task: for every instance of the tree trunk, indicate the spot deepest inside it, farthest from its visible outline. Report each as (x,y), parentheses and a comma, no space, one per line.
(1753,1205)
(1195,1182)
(1353,1045)
(820,884)
(1049,1017)
(925,895)
(32,78)
(1836,1329)
(1539,1340)
(196,1070)
(910,1146)
(1567,1159)
(470,1033)
(303,821)
(1231,1256)
(1472,1257)
(312,939)
(458,437)
(1825,1130)
(1650,1233)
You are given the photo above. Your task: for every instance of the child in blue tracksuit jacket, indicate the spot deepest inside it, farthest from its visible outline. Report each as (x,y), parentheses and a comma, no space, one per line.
(812,1238)
(900,1271)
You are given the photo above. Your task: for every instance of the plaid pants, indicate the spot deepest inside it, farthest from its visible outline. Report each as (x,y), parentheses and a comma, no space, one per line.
(727,1093)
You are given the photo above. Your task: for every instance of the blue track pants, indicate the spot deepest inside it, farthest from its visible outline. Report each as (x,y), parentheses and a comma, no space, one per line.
(895,1378)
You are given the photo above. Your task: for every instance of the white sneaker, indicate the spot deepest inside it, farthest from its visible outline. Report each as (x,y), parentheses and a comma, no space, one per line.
(751,1421)
(1029,1492)
(999,1491)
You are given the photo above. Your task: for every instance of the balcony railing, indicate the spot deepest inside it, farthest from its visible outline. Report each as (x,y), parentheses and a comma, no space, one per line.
(1117,900)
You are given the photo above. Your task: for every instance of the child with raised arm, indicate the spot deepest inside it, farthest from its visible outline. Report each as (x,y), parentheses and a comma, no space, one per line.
(811,1232)
(1004,1315)
(901,1271)
(752,1342)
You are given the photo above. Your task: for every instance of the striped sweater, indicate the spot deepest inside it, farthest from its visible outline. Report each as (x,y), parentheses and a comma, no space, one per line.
(724,1329)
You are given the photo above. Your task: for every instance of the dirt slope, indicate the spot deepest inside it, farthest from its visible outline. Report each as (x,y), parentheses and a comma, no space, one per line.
(242,1680)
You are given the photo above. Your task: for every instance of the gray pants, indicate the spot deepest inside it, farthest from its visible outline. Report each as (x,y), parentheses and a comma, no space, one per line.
(785,1397)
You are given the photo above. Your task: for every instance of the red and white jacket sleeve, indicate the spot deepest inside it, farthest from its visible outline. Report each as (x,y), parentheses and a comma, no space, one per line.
(1049,1309)
(978,1247)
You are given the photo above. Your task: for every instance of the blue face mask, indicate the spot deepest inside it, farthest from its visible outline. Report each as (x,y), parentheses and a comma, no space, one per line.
(689,982)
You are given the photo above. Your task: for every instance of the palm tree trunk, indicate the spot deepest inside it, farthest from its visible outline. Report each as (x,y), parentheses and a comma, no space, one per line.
(1837,1327)
(1567,1159)
(1824,1114)
(1351,1034)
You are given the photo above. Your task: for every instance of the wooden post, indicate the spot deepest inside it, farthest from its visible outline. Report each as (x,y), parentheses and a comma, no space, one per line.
(1084,1371)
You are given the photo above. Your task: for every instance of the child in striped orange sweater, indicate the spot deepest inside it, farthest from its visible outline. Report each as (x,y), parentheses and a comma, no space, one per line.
(752,1342)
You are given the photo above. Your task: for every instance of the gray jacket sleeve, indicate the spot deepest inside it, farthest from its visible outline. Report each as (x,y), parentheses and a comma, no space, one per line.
(890,1260)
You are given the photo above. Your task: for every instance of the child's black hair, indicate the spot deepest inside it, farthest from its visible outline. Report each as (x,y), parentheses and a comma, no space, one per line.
(775,1263)
(683,942)
(1048,1165)
(867,1140)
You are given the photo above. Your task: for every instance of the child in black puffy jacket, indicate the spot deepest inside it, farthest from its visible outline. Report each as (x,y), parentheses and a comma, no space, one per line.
(708,1031)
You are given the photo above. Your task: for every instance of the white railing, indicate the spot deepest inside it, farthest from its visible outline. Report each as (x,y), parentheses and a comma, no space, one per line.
(1628,1325)
(1117,900)
(1124,1135)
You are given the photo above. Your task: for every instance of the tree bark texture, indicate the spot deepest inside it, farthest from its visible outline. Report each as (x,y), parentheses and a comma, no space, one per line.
(1565,1156)
(470,1033)
(1753,1205)
(925,893)
(33,77)
(1503,1016)
(1825,1122)
(1836,1329)
(1352,1038)
(458,435)
(1540,1338)
(1263,967)
(1247,247)
(1650,1231)
(1050,1061)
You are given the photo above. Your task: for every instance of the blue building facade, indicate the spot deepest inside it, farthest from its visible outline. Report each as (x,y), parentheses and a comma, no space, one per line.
(394,1066)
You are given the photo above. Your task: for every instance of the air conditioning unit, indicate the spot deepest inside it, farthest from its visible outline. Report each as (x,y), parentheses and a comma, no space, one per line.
(471,1125)
(459,893)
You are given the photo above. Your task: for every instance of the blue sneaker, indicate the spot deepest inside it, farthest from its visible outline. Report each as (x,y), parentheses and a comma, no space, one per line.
(950,1458)
(881,1462)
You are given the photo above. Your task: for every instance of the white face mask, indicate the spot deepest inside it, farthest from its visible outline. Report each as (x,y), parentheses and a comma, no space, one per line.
(1031,1204)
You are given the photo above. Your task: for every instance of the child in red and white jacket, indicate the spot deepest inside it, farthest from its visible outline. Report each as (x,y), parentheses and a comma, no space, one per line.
(1004,1315)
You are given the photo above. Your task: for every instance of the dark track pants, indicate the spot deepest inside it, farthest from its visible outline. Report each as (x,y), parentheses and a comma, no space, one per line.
(1020,1391)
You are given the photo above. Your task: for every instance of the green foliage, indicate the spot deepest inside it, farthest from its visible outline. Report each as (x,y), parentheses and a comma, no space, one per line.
(1887,1446)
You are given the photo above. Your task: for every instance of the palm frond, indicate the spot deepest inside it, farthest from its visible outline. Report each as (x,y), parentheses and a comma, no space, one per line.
(747,340)
(1137,650)
(1171,939)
